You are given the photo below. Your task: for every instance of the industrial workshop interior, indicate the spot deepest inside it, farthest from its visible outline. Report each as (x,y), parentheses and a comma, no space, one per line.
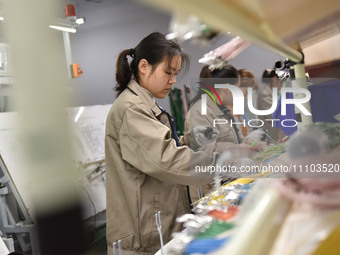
(170,127)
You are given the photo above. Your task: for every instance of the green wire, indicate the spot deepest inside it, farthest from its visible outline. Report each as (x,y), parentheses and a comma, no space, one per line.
(209,94)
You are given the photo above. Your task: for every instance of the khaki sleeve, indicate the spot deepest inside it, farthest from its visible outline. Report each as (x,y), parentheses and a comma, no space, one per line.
(264,99)
(146,144)
(188,139)
(264,103)
(267,101)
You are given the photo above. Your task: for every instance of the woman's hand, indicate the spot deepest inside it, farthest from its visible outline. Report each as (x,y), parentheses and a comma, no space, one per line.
(256,135)
(205,135)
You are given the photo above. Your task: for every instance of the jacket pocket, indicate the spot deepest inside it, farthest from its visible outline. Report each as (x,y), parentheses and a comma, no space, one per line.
(149,232)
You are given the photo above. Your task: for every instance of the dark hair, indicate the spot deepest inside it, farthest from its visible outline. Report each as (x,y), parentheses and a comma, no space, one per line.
(226,71)
(225,74)
(268,75)
(154,48)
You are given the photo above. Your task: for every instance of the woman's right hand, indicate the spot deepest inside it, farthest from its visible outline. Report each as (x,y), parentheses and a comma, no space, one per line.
(205,135)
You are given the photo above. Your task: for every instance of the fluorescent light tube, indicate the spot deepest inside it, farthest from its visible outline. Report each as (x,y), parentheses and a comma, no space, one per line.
(65,29)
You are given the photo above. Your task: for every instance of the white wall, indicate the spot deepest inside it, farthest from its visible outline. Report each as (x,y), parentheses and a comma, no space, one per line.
(111,26)
(115,25)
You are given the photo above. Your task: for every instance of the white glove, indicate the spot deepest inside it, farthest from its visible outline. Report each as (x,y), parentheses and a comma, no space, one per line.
(256,135)
(205,135)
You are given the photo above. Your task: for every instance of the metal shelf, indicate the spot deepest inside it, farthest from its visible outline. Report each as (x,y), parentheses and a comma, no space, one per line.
(279,26)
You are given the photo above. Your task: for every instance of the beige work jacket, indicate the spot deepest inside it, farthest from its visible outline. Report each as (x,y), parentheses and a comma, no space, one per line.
(226,141)
(227,138)
(145,173)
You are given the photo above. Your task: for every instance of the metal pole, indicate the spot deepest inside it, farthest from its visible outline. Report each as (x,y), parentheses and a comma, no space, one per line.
(159,228)
(300,81)
(68,52)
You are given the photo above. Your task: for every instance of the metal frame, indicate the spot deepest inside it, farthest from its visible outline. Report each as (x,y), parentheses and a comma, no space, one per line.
(227,17)
(68,52)
(301,82)
(8,224)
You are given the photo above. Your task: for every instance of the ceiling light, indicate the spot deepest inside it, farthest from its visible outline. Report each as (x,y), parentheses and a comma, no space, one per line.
(188,35)
(2,18)
(170,36)
(65,29)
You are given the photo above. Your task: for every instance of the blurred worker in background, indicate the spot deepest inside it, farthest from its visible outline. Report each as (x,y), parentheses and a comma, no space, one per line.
(229,137)
(265,100)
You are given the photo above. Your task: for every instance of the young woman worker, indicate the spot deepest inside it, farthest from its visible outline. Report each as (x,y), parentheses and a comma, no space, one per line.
(147,168)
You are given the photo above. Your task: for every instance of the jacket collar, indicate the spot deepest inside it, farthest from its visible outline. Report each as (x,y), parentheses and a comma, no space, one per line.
(216,110)
(145,96)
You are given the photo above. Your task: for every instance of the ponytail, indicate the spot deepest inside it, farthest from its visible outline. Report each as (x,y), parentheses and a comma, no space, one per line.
(123,70)
(154,48)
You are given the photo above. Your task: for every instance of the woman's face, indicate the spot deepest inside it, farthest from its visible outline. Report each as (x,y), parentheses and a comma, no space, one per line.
(226,95)
(160,81)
